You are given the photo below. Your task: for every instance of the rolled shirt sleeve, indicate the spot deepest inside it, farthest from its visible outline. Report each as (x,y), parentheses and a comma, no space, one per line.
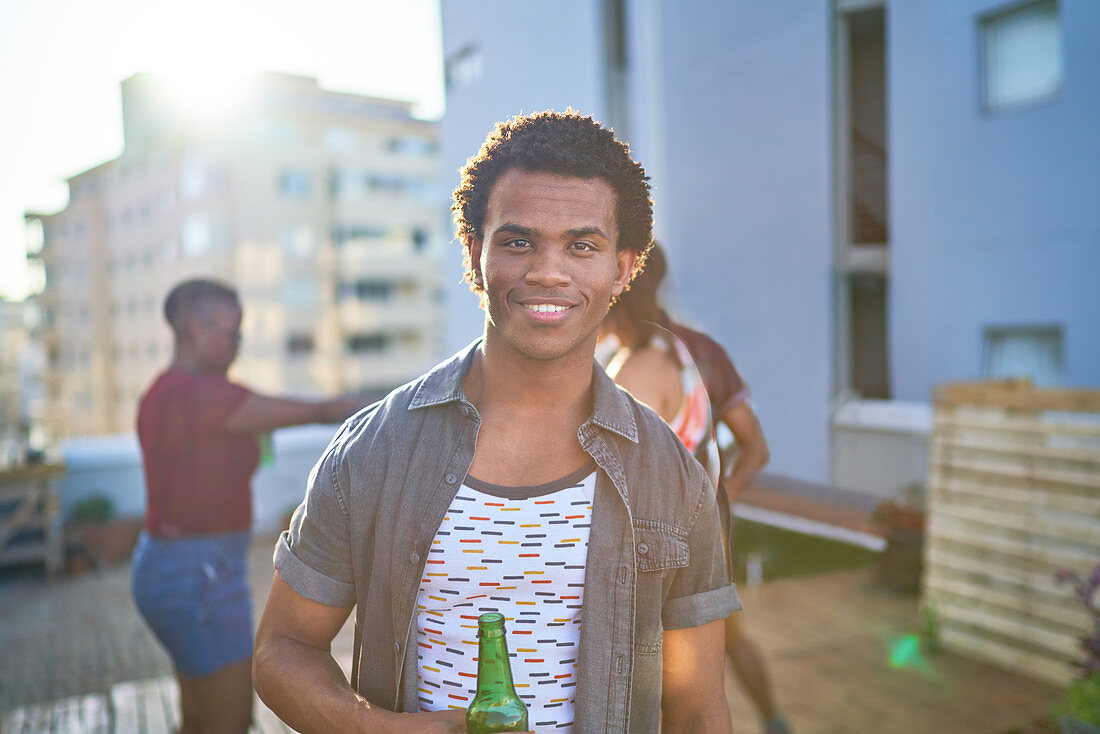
(314,555)
(702,592)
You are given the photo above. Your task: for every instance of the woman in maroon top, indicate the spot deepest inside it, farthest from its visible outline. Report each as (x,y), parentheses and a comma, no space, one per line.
(199,441)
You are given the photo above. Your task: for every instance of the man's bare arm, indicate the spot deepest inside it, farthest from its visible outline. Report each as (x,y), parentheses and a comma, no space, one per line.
(260,413)
(693,692)
(296,676)
(752,448)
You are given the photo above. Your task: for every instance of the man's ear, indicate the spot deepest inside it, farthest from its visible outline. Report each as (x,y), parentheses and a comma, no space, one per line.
(625,266)
(473,243)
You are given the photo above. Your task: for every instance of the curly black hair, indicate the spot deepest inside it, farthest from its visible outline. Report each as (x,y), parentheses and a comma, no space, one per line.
(563,143)
(189,296)
(635,315)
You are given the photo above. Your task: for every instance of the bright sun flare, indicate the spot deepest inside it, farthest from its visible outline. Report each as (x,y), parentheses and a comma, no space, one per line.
(206,96)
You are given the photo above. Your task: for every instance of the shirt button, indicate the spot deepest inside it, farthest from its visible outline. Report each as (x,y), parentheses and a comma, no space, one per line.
(643,548)
(451,478)
(414,558)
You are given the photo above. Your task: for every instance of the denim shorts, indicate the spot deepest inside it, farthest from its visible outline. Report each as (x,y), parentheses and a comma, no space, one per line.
(194,595)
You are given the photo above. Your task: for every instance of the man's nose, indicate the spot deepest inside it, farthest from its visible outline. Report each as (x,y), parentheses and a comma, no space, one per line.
(548,269)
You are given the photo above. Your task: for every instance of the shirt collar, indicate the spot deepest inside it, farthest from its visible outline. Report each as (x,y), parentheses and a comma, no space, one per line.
(611,406)
(444,383)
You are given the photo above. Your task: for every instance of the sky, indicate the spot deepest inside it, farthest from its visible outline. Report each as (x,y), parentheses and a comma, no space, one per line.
(61,62)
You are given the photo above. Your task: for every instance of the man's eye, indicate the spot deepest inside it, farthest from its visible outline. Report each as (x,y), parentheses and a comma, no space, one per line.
(584,246)
(517,243)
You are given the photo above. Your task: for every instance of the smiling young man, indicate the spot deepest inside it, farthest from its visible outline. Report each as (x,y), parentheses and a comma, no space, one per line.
(517,478)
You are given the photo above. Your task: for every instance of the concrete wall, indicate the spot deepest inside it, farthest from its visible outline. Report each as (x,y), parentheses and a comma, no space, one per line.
(994,216)
(881,447)
(534,56)
(747,193)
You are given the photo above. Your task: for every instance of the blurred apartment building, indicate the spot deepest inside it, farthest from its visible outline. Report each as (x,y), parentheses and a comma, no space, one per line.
(21,362)
(321,207)
(861,199)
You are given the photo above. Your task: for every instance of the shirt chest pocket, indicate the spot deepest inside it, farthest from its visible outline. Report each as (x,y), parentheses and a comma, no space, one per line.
(658,552)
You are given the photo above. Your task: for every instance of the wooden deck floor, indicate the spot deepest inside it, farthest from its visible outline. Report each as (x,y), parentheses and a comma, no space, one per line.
(138,707)
(827,640)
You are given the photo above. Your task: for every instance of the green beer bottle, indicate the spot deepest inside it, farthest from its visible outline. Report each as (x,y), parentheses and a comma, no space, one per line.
(495,707)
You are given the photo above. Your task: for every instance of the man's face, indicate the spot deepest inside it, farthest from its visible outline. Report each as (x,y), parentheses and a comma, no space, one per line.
(548,264)
(216,332)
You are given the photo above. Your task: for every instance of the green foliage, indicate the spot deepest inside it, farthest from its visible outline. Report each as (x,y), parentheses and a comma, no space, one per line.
(1082,701)
(93,508)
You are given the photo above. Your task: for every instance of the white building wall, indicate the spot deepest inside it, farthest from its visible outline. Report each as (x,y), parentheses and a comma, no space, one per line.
(506,58)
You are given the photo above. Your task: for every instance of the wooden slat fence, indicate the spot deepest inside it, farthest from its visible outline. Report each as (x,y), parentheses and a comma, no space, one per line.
(28,505)
(1014,495)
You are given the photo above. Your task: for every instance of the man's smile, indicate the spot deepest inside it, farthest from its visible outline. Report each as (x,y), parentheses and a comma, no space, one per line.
(547,310)
(547,313)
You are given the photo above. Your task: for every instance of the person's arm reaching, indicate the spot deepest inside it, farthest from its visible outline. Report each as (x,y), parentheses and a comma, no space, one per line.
(263,413)
(752,448)
(296,676)
(693,694)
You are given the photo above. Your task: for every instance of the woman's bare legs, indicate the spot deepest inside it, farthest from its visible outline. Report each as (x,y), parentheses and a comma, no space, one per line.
(219,703)
(752,674)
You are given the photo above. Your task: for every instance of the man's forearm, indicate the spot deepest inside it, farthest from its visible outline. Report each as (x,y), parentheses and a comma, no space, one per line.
(749,461)
(305,687)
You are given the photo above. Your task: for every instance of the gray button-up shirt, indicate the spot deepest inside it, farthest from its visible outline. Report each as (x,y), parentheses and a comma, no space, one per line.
(380,491)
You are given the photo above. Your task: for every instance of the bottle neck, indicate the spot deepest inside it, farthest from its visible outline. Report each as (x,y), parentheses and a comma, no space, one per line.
(494,670)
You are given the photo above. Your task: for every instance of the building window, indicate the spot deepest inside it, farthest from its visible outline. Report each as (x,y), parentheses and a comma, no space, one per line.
(299,291)
(298,344)
(193,180)
(197,235)
(376,183)
(367,290)
(342,235)
(339,138)
(294,184)
(299,241)
(335,183)
(412,145)
(367,343)
(1021,55)
(1034,352)
(463,67)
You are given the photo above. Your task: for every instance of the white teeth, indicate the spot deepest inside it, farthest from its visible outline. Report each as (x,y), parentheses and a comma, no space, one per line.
(546,308)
